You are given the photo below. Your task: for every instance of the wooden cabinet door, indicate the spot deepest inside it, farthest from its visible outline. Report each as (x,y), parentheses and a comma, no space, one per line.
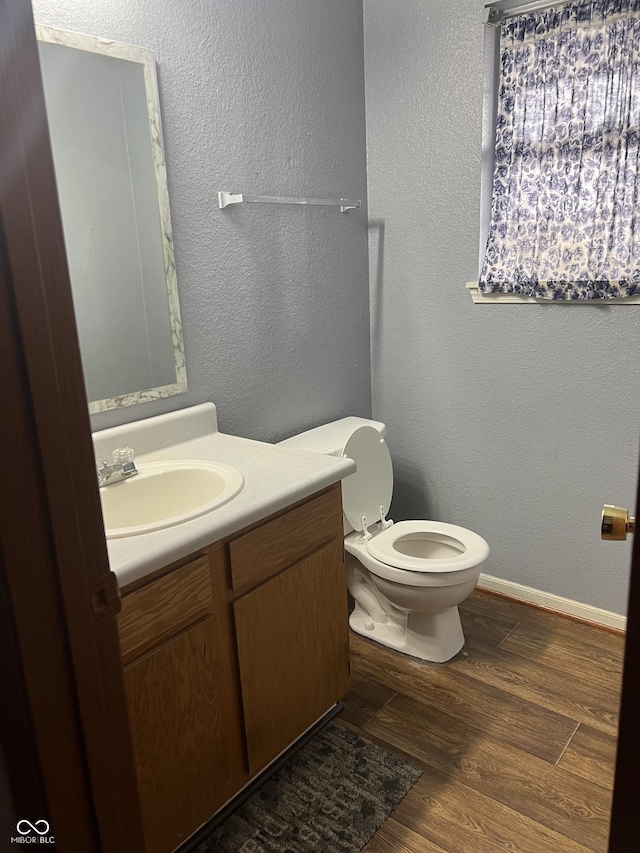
(293,651)
(186,733)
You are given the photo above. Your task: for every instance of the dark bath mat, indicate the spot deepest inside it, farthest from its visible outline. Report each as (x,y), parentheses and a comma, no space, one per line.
(328,798)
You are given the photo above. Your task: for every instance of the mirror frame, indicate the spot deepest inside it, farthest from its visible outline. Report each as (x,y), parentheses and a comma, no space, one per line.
(144,57)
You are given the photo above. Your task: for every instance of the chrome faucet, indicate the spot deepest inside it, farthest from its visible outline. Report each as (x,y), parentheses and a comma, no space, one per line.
(121,468)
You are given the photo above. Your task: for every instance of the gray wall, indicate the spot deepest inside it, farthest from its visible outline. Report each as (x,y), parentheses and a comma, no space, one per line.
(265,98)
(515,421)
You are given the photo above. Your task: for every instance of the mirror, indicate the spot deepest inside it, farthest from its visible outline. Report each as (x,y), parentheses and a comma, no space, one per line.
(104,119)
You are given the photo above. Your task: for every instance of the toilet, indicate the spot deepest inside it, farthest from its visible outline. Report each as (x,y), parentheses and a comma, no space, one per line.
(406,578)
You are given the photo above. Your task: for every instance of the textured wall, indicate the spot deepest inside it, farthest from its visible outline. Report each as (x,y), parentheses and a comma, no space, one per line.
(518,422)
(265,98)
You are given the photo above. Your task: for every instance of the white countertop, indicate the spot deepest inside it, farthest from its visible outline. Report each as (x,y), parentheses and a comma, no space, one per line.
(274,476)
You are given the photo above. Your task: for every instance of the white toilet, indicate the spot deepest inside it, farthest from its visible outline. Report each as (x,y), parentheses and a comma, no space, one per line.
(408,578)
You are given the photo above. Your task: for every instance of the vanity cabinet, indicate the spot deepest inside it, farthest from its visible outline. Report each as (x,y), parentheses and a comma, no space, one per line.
(228,657)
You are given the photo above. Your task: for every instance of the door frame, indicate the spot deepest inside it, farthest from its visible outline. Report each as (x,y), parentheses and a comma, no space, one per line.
(625,811)
(66,738)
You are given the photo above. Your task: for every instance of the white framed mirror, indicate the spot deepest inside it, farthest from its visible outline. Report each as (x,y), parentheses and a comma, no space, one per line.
(106,135)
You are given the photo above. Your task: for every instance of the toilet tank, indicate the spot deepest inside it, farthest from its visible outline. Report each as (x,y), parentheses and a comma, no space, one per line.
(331,438)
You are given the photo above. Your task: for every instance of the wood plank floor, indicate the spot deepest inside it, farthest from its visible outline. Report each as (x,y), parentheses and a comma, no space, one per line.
(516,736)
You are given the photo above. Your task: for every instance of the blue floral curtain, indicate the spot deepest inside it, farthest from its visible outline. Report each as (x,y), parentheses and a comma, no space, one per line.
(566,186)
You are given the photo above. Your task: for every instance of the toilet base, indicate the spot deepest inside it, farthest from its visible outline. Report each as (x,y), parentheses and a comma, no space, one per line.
(434,637)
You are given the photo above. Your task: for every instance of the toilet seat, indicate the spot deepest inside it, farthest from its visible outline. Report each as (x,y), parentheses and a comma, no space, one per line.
(400,547)
(448,573)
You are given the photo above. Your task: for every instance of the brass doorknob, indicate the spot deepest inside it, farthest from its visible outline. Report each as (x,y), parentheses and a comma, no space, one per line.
(616,523)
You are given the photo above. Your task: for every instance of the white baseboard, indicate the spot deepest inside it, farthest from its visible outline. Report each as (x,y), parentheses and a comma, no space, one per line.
(553,602)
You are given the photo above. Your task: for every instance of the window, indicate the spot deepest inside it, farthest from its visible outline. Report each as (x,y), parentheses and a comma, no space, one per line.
(565,198)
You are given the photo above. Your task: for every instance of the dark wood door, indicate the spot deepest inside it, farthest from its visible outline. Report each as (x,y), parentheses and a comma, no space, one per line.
(625,813)
(65,734)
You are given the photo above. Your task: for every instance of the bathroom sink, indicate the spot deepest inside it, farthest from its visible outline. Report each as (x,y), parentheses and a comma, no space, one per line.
(164,494)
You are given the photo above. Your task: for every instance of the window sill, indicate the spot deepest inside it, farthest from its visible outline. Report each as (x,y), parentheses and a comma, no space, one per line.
(515,299)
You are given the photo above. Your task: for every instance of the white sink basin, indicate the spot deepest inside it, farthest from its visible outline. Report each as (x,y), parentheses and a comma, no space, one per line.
(166,493)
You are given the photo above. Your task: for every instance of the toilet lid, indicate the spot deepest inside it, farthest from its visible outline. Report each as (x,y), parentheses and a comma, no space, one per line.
(371,487)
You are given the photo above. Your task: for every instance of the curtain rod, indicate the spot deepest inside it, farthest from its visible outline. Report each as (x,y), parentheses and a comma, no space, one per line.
(498,12)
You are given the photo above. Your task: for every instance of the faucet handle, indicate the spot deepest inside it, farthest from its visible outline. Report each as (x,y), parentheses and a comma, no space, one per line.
(122,455)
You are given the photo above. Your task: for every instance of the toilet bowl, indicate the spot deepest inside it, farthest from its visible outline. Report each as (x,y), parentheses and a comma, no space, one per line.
(406,578)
